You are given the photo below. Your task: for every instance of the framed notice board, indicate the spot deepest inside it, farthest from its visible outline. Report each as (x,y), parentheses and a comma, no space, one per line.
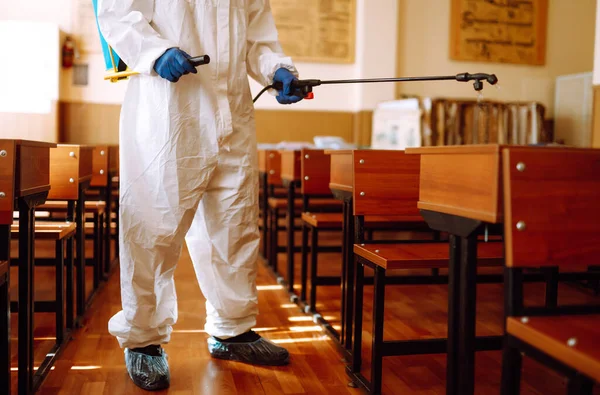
(320,31)
(499,31)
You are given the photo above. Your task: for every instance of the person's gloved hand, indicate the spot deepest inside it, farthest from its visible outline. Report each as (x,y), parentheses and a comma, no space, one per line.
(173,64)
(286,96)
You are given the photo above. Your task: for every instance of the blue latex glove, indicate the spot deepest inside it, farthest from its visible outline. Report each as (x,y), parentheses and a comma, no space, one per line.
(286,96)
(173,64)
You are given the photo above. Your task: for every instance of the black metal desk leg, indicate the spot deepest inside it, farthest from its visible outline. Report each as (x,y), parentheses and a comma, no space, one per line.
(468,294)
(511,369)
(265,215)
(5,312)
(314,270)
(290,235)
(378,312)
(358,316)
(70,266)
(452,362)
(26,237)
(349,246)
(80,261)
(60,291)
(108,229)
(69,294)
(344,273)
(304,263)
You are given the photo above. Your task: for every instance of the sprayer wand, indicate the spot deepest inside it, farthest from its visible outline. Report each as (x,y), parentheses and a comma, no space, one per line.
(303,88)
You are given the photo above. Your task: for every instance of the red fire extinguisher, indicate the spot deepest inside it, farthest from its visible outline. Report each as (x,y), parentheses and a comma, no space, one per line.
(68,53)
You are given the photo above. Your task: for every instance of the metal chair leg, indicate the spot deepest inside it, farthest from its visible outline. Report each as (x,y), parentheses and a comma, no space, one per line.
(511,369)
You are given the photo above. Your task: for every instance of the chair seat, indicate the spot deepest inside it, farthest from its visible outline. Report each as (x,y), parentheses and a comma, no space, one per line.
(323,220)
(424,255)
(552,334)
(316,204)
(61,206)
(334,221)
(48,230)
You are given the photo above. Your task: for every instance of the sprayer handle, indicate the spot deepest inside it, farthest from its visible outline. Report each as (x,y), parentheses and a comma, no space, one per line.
(200,60)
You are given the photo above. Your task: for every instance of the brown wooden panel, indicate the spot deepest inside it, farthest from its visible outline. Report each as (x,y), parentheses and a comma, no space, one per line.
(33,168)
(290,165)
(316,168)
(86,163)
(64,172)
(461,180)
(273,167)
(7,180)
(554,193)
(386,183)
(100,166)
(341,170)
(552,335)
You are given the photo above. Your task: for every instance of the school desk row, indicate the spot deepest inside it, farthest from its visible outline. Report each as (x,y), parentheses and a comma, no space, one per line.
(64,194)
(530,211)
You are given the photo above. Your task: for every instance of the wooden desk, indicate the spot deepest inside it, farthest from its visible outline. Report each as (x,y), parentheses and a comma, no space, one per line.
(24,185)
(290,178)
(461,193)
(71,172)
(341,185)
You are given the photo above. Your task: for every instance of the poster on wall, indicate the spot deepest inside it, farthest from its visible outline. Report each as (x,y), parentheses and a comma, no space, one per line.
(85,29)
(320,31)
(499,31)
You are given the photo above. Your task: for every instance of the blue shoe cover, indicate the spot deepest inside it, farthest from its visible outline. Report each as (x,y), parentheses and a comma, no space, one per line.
(257,352)
(148,367)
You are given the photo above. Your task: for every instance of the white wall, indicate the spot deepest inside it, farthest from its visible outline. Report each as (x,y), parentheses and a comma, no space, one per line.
(597,46)
(375,57)
(424,50)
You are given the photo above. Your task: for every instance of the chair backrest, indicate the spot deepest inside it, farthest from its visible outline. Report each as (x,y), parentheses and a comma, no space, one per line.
(69,165)
(100,166)
(273,167)
(386,183)
(316,170)
(551,206)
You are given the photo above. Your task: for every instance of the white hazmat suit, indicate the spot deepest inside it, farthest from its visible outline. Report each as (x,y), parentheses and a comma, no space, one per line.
(188,160)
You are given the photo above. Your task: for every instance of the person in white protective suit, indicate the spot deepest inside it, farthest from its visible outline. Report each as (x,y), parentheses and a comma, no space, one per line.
(188,170)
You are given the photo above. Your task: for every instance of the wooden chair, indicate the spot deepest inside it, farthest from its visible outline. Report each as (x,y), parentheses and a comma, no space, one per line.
(387,184)
(62,234)
(551,213)
(71,171)
(277,209)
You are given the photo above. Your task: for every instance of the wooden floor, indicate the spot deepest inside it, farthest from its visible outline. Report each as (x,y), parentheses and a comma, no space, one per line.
(93,362)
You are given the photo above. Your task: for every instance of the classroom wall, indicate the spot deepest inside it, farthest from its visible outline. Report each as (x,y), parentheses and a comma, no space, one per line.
(596,82)
(424,50)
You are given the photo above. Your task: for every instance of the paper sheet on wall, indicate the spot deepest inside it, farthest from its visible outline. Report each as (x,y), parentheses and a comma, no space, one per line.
(85,29)
(316,30)
(499,31)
